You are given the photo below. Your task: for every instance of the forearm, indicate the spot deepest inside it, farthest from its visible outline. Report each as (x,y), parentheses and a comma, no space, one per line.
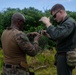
(32,49)
(60,32)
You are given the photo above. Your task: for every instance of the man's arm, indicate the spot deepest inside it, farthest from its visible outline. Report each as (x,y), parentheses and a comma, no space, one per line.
(61,31)
(26,46)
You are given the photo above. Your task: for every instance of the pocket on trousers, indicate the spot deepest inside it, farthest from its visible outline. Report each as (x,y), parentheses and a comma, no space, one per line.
(71,58)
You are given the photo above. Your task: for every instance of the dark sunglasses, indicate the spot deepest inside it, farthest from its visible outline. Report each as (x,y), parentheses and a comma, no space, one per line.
(54,16)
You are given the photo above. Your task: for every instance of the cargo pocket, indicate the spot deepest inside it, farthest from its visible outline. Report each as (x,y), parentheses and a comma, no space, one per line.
(71,58)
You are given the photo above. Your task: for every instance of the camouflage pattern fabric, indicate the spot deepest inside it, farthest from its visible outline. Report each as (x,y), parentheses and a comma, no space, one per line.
(71,58)
(25,45)
(13,71)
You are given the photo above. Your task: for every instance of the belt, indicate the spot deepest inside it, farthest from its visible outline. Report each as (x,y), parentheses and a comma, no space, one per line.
(61,53)
(12,66)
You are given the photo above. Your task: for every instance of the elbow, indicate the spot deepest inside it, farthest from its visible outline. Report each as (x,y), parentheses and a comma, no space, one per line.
(54,38)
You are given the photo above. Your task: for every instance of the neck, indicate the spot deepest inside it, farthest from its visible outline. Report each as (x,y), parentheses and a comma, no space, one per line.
(64,16)
(14,26)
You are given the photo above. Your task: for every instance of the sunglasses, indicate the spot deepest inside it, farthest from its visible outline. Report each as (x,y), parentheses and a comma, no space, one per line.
(54,16)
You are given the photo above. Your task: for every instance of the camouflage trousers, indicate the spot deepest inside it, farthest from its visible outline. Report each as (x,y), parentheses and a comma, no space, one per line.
(13,71)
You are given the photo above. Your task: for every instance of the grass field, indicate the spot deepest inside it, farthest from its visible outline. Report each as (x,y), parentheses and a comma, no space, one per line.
(42,63)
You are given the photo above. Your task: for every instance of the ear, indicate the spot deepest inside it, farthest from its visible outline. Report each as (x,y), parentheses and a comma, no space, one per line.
(61,11)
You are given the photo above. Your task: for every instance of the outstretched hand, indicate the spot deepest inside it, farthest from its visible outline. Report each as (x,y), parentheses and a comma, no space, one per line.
(43,32)
(36,36)
(46,21)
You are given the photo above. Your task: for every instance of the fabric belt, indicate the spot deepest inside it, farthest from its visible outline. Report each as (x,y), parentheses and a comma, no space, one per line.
(12,66)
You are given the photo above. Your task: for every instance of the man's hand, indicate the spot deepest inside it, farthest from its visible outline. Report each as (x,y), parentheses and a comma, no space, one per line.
(43,32)
(37,37)
(34,33)
(46,21)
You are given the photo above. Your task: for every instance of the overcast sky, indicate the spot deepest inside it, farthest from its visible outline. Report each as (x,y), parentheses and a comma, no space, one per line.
(38,4)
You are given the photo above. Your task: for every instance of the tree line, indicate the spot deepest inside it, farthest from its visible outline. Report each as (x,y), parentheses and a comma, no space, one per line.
(32,23)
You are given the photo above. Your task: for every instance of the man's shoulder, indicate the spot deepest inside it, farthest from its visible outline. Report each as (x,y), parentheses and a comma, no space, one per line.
(19,34)
(70,19)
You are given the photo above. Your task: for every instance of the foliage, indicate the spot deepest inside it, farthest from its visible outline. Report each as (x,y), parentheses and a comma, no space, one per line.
(32,16)
(45,57)
(72,14)
(1,59)
(43,42)
(42,63)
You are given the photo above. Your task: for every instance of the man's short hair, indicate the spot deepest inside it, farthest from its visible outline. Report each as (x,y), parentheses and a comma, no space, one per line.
(17,16)
(57,7)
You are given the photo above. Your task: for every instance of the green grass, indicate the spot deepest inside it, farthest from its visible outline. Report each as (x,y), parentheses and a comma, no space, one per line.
(1,59)
(42,63)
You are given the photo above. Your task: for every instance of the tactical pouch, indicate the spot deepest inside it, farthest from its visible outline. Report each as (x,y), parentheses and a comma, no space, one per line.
(71,58)
(26,66)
